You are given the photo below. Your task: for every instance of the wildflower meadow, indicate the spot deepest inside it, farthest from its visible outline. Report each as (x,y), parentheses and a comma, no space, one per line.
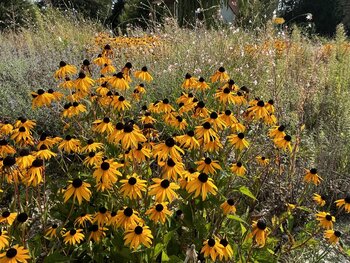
(173,144)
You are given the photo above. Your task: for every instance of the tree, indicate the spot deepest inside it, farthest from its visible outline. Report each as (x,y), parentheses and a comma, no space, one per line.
(326,14)
(15,13)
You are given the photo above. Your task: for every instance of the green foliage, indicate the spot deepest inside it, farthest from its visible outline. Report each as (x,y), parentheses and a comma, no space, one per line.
(16,13)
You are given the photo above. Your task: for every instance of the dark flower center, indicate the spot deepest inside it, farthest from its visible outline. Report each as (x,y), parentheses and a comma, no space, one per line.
(138,230)
(313,171)
(263,158)
(128,128)
(179,118)
(77,183)
(206,125)
(207,160)
(92,154)
(119,126)
(211,242)
(22,129)
(106,120)
(159,208)
(113,214)
(165,184)
(166,101)
(239,164)
(261,224)
(68,138)
(261,103)
(67,106)
(86,62)
(94,228)
(203,177)
(24,152)
(222,69)
(139,147)
(40,91)
(107,47)
(82,75)
(102,210)
(144,69)
(328,217)
(170,142)
(231,82)
(22,217)
(287,138)
(50,91)
(54,226)
(271,102)
(240,135)
(188,76)
(337,233)
(201,104)
(72,232)
(37,163)
(11,253)
(171,162)
(3,142)
(128,65)
(224,242)
(230,202)
(120,75)
(228,112)
(5,214)
(347,199)
(227,90)
(90,141)
(190,133)
(9,161)
(128,212)
(201,79)
(281,128)
(43,147)
(75,104)
(121,98)
(132,181)
(213,115)
(62,64)
(105,166)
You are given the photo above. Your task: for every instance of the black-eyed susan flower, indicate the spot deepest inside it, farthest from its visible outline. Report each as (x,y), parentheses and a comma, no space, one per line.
(319,199)
(262,160)
(101,60)
(133,186)
(200,110)
(205,132)
(68,83)
(283,142)
(93,159)
(4,239)
(83,83)
(120,103)
(76,109)
(212,248)
(57,95)
(25,159)
(228,118)
(126,218)
(102,216)
(259,231)
(312,176)
(102,89)
(6,148)
(22,136)
(345,202)
(220,75)
(159,212)
(103,126)
(147,118)
(171,169)
(69,145)
(201,184)
(208,166)
(97,233)
(189,82)
(65,70)
(227,251)
(215,121)
(225,96)
(10,167)
(106,173)
(138,235)
(238,141)
(79,190)
(277,132)
(117,81)
(23,122)
(141,153)
(41,98)
(332,236)
(126,71)
(48,141)
(73,236)
(108,69)
(143,74)
(130,136)
(179,123)
(238,169)
(6,128)
(258,111)
(8,217)
(202,85)
(92,146)
(188,140)
(15,254)
(163,190)
(44,153)
(35,173)
(325,219)
(164,106)
(228,207)
(83,220)
(51,232)
(238,127)
(166,149)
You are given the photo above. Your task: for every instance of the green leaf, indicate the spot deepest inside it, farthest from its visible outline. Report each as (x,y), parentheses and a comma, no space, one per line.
(243,229)
(56,257)
(244,190)
(164,257)
(306,209)
(271,251)
(167,237)
(158,249)
(237,218)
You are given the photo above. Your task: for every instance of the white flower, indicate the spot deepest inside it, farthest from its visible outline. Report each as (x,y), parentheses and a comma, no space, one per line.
(309,16)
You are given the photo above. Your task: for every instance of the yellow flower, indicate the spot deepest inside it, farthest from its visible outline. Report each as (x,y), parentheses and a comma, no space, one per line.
(163,189)
(259,231)
(102,216)
(262,160)
(51,232)
(103,126)
(144,75)
(332,236)
(227,252)
(4,239)
(283,142)
(326,220)
(228,207)
(138,235)
(79,190)
(83,219)
(212,248)
(65,70)
(15,254)
(133,186)
(106,173)
(344,203)
(69,145)
(208,166)
(159,212)
(73,236)
(126,218)
(278,20)
(319,199)
(238,141)
(201,184)
(312,176)
(220,75)
(189,82)
(8,217)
(238,169)
(97,233)
(168,149)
